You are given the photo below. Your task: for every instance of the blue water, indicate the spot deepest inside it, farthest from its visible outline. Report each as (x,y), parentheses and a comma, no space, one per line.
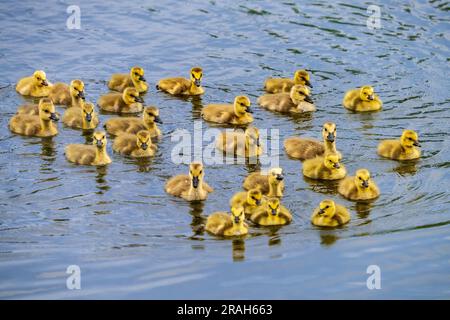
(131,240)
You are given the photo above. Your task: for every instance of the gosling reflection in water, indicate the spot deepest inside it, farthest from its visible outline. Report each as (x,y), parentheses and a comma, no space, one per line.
(198,220)
(238,250)
(328,238)
(197,106)
(102,183)
(48,154)
(407,168)
(363,209)
(323,186)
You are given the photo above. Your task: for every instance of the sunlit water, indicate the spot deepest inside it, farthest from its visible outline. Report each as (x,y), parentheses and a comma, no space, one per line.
(131,240)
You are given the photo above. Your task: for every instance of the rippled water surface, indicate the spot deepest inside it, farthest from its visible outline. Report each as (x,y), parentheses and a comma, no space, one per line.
(131,240)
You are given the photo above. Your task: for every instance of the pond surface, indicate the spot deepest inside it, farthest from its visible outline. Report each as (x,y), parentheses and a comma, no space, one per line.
(131,240)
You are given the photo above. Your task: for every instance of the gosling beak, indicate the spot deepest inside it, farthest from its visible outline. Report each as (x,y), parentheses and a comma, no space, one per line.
(337,165)
(280,177)
(99,143)
(258,202)
(365,183)
(370,97)
(141,78)
(88,117)
(81,95)
(44,83)
(416,144)
(236,219)
(308,83)
(195,182)
(330,137)
(158,119)
(274,212)
(308,99)
(54,116)
(197,82)
(144,146)
(321,211)
(139,99)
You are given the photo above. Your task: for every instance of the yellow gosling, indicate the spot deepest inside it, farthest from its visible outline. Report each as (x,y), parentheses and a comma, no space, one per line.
(81,118)
(271,185)
(362,100)
(359,187)
(330,214)
(307,148)
(296,101)
(41,125)
(324,168)
(271,214)
(135,145)
(72,95)
(227,225)
(240,143)
(182,86)
(35,85)
(150,117)
(407,148)
(237,113)
(189,187)
(280,85)
(121,81)
(90,155)
(250,200)
(127,102)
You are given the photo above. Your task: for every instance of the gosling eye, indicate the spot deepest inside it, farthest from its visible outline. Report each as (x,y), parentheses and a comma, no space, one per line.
(201,171)
(327,207)
(359,178)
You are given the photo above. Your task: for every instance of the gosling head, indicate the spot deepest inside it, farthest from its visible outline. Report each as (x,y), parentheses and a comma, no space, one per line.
(366,93)
(143,139)
(273,206)
(131,95)
(409,139)
(99,139)
(151,115)
(276,175)
(331,161)
(300,93)
(77,89)
(327,208)
(88,111)
(252,133)
(137,74)
(362,178)
(40,78)
(47,111)
(196,174)
(237,215)
(196,76)
(329,132)
(254,197)
(302,77)
(242,105)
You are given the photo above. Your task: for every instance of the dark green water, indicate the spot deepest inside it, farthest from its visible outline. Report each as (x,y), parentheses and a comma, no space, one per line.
(131,240)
